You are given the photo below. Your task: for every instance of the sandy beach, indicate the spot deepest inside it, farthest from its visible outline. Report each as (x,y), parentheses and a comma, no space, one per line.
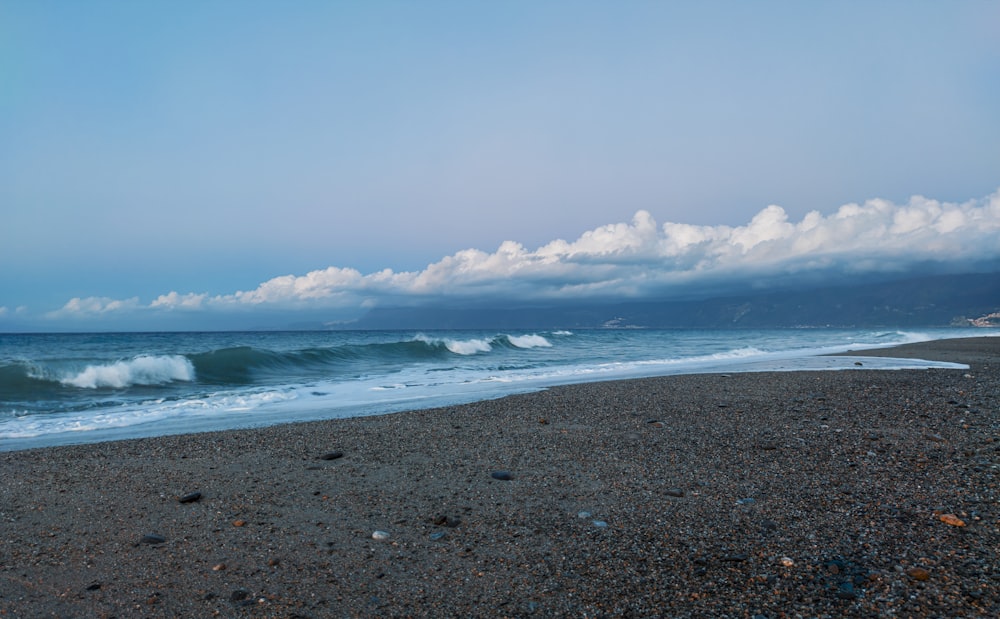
(853,493)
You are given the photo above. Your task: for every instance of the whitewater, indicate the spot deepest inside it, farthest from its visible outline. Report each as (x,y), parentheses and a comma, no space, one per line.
(80,388)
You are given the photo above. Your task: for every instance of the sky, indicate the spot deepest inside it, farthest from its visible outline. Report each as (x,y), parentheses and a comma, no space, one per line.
(185,165)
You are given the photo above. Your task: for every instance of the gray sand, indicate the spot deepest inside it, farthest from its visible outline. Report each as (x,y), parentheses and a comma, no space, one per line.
(794,494)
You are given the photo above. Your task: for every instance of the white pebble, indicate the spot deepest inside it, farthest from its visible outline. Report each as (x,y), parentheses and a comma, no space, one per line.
(787,561)
(380,535)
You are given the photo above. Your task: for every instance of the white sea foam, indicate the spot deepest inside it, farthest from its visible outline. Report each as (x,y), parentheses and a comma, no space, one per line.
(141,370)
(468,347)
(529,341)
(174,416)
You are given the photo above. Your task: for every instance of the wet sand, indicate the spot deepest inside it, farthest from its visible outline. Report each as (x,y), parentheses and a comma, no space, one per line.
(855,493)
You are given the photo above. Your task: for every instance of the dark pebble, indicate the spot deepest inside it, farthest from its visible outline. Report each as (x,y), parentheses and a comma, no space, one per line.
(94,587)
(446,521)
(845,591)
(238,595)
(190,497)
(735,558)
(152,538)
(677,492)
(502,475)
(333,455)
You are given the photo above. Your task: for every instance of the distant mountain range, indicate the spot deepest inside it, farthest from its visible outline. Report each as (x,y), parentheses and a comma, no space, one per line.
(939,300)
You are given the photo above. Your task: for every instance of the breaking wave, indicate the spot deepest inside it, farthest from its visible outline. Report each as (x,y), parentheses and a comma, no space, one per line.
(142,370)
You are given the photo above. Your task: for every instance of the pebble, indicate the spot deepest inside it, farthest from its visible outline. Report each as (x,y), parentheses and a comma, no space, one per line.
(152,538)
(239,523)
(333,455)
(446,521)
(240,596)
(952,519)
(600,524)
(675,492)
(746,501)
(502,475)
(787,561)
(190,497)
(583,515)
(437,535)
(918,573)
(380,536)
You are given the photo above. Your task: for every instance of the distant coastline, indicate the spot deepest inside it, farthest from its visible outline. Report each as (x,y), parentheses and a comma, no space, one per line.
(929,301)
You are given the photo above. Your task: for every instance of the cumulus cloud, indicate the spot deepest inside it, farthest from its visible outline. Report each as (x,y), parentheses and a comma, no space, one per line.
(641,257)
(173,300)
(93,305)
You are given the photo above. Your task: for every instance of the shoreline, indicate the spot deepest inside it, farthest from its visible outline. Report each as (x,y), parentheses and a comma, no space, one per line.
(765,362)
(817,493)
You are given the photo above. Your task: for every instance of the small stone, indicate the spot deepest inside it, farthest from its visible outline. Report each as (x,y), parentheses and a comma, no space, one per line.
(845,591)
(655,423)
(190,497)
(239,595)
(918,573)
(746,501)
(333,455)
(152,538)
(273,562)
(380,536)
(675,492)
(787,562)
(94,587)
(735,558)
(858,363)
(583,515)
(446,521)
(502,475)
(239,523)
(218,567)
(951,519)
(600,524)
(437,535)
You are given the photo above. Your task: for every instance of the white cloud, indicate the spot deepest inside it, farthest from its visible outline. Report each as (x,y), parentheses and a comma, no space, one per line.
(173,300)
(639,257)
(94,305)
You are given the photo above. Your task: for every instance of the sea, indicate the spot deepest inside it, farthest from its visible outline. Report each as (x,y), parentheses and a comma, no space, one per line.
(58,389)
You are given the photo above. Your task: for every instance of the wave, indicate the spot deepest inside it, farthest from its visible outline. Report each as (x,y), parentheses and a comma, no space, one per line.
(43,380)
(475,346)
(529,341)
(141,370)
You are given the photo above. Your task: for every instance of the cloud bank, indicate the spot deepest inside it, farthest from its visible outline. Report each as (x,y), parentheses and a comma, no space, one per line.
(637,259)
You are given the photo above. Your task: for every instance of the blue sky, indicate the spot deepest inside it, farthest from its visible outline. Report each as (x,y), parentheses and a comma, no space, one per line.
(171,164)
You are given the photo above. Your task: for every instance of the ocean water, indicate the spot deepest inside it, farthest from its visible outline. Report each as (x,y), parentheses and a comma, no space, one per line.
(79,388)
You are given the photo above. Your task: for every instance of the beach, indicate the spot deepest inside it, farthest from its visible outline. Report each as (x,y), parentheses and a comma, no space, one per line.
(776,494)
